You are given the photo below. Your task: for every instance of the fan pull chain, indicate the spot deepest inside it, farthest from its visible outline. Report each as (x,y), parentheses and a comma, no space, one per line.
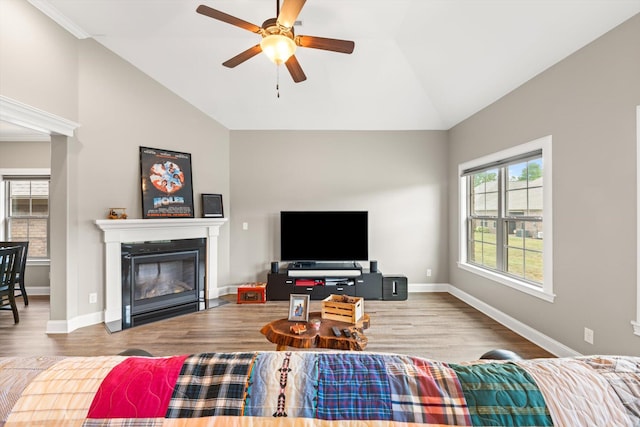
(277,81)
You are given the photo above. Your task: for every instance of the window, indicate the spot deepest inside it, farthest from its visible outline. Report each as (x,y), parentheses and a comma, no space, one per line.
(26,211)
(505,209)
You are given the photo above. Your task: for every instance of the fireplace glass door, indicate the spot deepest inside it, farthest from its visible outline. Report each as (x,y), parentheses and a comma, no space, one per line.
(158,284)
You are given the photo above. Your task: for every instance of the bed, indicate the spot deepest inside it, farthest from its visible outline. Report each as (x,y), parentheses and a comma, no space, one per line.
(309,388)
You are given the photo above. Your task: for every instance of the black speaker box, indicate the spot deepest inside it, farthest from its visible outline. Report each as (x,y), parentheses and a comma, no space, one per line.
(373,266)
(275,267)
(394,288)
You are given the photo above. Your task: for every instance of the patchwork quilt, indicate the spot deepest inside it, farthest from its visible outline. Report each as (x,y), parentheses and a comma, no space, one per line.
(317,389)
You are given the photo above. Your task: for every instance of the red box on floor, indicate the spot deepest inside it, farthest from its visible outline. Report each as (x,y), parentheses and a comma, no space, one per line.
(252,293)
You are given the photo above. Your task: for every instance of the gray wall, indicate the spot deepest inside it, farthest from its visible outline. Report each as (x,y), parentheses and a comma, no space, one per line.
(399,177)
(588,104)
(25,154)
(119,109)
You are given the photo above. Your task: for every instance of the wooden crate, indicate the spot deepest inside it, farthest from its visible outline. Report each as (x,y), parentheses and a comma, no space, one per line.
(343,308)
(252,293)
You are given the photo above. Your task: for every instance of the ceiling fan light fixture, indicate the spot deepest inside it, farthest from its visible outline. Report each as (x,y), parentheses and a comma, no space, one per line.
(278,47)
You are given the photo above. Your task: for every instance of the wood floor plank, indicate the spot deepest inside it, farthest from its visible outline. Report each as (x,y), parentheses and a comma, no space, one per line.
(431,325)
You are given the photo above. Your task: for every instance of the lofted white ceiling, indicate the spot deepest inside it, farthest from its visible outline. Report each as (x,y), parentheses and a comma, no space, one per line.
(417,64)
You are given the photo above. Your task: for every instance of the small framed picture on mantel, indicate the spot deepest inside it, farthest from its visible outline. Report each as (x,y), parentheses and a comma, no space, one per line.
(212,206)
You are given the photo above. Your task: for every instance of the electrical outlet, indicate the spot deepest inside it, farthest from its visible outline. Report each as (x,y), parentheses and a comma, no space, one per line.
(588,335)
(93,298)
(245,225)
(428,272)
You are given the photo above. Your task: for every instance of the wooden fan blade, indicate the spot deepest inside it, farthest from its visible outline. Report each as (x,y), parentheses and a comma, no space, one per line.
(334,45)
(289,12)
(221,16)
(295,69)
(241,57)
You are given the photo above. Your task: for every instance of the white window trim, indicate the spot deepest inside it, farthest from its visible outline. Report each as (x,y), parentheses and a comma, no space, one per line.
(636,323)
(546,291)
(18,172)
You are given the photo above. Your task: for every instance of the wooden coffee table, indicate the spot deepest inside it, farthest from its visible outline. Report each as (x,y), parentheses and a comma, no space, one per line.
(278,332)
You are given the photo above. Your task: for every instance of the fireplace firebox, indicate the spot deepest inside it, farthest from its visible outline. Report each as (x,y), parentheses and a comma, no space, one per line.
(162,279)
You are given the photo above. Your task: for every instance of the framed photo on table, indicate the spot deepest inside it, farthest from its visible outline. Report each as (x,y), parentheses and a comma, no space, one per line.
(298,307)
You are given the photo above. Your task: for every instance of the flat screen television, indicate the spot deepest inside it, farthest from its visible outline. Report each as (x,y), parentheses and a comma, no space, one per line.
(308,236)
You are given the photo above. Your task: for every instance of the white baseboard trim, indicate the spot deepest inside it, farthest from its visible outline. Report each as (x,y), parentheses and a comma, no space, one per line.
(67,326)
(428,287)
(536,337)
(225,290)
(38,290)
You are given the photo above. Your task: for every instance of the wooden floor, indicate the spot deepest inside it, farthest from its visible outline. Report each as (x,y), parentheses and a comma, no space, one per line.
(431,325)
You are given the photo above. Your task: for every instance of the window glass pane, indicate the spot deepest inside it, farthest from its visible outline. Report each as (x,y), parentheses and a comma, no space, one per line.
(515,262)
(536,231)
(492,204)
(40,189)
(515,238)
(533,266)
(520,175)
(20,207)
(535,202)
(486,181)
(38,237)
(479,203)
(524,249)
(517,202)
(483,243)
(20,189)
(18,229)
(489,255)
(484,193)
(517,176)
(40,207)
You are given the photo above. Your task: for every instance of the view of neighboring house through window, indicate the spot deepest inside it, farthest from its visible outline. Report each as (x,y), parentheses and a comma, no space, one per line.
(504,217)
(27,213)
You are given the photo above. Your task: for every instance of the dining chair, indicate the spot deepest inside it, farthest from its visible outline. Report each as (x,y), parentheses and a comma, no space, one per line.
(9,264)
(22,266)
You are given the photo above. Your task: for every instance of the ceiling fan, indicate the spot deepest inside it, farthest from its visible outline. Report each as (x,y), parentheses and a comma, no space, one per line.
(279,41)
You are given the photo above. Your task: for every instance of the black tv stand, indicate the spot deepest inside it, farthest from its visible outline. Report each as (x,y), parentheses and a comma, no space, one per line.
(319,281)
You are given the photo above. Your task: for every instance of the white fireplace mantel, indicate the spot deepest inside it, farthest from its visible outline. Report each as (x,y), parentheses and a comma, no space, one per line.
(118,231)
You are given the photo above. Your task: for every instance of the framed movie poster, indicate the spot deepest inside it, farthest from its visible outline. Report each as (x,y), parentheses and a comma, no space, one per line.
(167,191)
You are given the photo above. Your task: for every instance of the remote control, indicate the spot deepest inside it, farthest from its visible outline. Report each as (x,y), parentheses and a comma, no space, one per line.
(346,333)
(336,331)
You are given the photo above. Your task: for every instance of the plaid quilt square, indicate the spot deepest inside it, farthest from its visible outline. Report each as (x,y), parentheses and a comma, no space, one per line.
(211,384)
(353,387)
(426,392)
